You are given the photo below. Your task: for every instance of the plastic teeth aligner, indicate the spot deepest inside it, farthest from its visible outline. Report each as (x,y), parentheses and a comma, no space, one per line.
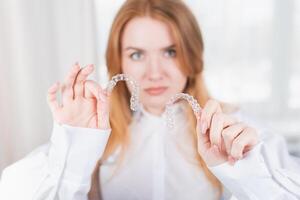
(134,100)
(191,100)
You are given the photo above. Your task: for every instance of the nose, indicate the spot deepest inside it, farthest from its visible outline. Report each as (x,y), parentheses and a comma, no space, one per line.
(154,69)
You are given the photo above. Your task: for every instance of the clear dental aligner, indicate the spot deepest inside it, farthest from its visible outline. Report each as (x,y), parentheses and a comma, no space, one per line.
(134,100)
(169,111)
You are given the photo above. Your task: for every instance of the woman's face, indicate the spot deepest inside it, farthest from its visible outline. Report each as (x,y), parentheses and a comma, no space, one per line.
(149,56)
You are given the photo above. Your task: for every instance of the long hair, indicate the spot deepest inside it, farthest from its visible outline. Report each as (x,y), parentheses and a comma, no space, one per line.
(188,39)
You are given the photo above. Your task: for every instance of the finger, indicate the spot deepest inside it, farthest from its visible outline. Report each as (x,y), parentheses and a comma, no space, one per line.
(211,107)
(91,89)
(103,107)
(229,120)
(67,88)
(94,90)
(79,81)
(51,97)
(216,129)
(219,122)
(230,133)
(246,139)
(203,139)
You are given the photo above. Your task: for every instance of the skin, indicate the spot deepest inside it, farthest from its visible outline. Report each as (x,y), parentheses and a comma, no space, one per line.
(149,56)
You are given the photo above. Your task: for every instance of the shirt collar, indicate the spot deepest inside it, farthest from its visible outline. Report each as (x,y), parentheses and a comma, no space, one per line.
(143,113)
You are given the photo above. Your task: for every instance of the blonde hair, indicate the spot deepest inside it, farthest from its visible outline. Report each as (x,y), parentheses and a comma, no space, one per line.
(189,47)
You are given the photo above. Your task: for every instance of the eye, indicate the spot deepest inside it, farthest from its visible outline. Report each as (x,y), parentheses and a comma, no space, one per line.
(170,53)
(136,56)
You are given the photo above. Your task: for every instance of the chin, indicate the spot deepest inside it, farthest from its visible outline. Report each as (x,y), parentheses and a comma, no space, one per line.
(159,103)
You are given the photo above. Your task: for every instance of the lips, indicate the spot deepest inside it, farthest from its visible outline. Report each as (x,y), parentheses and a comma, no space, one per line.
(154,91)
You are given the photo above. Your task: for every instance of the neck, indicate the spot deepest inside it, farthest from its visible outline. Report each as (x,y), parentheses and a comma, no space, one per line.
(155,110)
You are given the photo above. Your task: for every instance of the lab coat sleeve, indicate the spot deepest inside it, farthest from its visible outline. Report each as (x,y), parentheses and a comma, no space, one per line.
(60,169)
(268,171)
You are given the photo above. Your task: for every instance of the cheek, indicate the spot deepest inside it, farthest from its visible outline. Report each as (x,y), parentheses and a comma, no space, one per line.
(135,70)
(178,79)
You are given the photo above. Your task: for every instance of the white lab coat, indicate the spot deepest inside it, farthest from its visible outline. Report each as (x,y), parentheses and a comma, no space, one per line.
(159,164)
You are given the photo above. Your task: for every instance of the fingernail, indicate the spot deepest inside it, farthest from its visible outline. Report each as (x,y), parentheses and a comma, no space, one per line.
(231,160)
(52,86)
(199,128)
(198,117)
(76,67)
(215,148)
(198,123)
(101,97)
(90,67)
(106,93)
(203,127)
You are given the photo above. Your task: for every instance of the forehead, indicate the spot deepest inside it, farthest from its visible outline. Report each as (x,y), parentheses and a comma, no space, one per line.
(146,32)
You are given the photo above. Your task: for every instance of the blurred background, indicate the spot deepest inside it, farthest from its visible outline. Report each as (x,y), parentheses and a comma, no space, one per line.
(252,58)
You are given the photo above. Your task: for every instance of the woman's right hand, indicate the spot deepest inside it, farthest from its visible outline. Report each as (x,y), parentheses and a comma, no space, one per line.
(84,102)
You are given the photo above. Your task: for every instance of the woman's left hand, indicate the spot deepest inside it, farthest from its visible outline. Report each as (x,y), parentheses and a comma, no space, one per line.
(221,137)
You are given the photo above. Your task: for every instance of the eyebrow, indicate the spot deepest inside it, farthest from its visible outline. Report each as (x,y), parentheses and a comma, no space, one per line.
(142,50)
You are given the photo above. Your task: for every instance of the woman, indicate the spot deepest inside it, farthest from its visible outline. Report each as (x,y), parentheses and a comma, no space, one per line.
(99,149)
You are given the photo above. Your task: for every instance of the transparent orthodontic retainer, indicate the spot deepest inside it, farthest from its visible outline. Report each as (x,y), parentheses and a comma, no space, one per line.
(134,99)
(190,99)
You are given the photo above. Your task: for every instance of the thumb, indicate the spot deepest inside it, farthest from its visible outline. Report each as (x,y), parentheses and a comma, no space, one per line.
(92,89)
(103,109)
(203,139)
